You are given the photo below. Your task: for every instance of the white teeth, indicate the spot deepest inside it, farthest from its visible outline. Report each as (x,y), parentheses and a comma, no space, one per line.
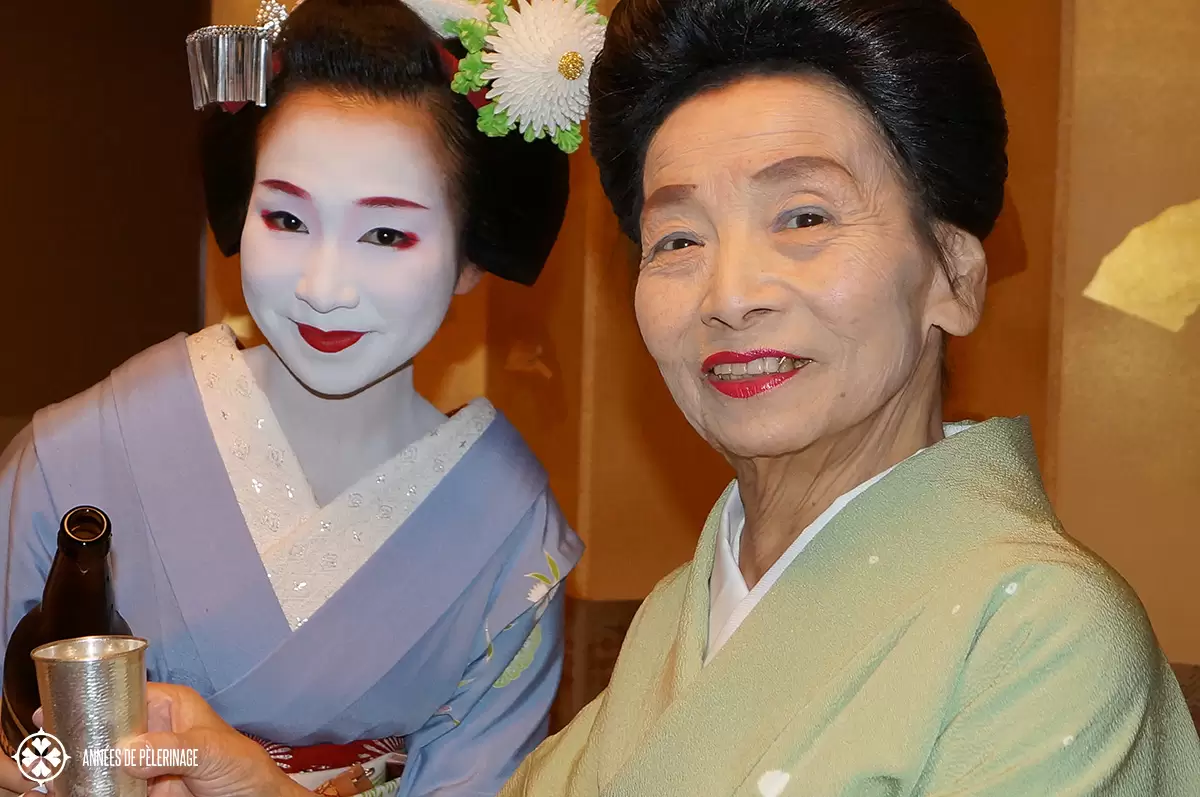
(763,365)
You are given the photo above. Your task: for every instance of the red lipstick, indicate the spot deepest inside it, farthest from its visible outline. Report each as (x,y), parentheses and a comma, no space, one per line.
(745,374)
(328,342)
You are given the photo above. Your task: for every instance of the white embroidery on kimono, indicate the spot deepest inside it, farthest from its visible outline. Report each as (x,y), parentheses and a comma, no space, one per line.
(545,587)
(309,551)
(772,783)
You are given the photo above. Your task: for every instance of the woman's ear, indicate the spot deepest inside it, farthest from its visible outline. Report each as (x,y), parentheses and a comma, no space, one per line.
(956,307)
(468,278)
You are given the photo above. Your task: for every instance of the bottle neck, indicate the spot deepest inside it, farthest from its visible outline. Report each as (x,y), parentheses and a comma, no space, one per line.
(78,577)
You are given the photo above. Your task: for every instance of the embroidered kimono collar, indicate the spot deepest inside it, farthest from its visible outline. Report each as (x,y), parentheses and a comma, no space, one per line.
(310,551)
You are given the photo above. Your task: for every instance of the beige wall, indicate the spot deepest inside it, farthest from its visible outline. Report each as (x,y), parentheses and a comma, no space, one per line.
(451,371)
(1001,369)
(1128,399)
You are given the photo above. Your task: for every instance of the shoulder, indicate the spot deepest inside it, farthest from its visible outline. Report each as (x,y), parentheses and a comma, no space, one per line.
(515,474)
(74,415)
(1058,608)
(495,443)
(18,446)
(660,613)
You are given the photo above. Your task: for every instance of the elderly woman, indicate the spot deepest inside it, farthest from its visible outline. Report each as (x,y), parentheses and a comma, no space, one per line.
(881,604)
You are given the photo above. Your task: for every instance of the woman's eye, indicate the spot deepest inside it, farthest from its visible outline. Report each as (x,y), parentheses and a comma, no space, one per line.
(385,236)
(283,221)
(676,244)
(800,221)
(673,243)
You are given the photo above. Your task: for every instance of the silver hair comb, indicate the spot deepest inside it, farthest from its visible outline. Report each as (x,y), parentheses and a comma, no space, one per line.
(232,63)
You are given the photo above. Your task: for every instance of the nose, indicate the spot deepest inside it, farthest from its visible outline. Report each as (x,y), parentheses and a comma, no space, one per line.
(741,290)
(323,286)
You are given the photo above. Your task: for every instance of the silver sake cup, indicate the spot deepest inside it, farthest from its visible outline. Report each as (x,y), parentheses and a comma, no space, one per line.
(93,692)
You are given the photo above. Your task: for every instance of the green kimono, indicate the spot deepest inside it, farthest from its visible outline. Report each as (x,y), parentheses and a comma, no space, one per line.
(939,637)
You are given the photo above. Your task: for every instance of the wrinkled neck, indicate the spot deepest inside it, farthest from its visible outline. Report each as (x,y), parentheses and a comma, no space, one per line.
(784,495)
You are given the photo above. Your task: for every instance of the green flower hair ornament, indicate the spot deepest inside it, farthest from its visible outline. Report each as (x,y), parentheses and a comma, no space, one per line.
(533,58)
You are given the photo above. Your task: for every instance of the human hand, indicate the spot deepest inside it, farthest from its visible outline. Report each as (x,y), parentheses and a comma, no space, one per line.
(227,763)
(11,782)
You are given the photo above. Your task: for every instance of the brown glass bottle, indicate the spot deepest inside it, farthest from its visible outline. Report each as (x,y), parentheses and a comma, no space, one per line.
(77,601)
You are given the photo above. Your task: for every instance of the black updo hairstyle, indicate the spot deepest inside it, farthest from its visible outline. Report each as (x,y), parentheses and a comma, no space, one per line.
(916,65)
(513,193)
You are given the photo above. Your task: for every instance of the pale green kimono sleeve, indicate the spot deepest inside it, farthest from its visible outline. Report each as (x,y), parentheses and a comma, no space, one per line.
(1073,702)
(559,762)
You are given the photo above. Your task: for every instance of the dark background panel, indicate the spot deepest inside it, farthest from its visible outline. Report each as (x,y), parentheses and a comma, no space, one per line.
(100,201)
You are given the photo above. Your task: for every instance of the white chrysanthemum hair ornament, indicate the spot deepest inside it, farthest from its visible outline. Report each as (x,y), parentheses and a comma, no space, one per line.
(534,60)
(526,68)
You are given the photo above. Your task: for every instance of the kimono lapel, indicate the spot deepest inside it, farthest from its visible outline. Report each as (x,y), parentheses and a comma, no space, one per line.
(271,490)
(310,551)
(423,568)
(310,562)
(192,516)
(850,595)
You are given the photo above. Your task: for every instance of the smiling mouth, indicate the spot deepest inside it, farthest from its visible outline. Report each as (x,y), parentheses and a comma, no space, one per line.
(743,375)
(730,372)
(328,342)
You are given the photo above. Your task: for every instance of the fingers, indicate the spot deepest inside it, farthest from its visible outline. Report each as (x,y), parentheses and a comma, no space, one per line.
(159,717)
(182,705)
(37,718)
(11,781)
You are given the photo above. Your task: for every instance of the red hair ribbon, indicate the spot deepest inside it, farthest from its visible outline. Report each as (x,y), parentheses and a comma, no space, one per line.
(477,98)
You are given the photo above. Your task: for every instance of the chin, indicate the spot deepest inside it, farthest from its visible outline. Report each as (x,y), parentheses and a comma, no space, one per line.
(334,385)
(765,428)
(334,376)
(750,440)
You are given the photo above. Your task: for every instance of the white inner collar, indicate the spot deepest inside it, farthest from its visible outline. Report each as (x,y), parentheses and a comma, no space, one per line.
(730,600)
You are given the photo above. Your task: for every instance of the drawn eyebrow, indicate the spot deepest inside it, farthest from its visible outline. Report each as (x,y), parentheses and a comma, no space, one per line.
(389,202)
(283,186)
(797,168)
(668,195)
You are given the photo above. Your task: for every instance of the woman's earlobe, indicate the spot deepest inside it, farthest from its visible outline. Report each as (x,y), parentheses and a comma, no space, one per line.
(959,297)
(468,277)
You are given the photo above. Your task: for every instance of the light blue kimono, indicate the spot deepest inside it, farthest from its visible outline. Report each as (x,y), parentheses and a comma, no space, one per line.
(437,638)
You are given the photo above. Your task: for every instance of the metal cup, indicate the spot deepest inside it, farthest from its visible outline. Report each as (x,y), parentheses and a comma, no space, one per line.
(93,692)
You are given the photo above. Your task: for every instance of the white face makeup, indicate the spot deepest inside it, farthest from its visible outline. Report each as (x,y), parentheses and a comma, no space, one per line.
(350,249)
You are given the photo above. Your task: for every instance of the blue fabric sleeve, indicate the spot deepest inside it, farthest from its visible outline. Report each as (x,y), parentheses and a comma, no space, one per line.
(500,711)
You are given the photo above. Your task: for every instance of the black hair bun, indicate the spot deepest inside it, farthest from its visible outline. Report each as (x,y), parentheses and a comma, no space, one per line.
(916,65)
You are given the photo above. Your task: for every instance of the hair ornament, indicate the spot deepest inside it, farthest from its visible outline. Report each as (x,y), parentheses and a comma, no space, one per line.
(232,64)
(526,68)
(533,59)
